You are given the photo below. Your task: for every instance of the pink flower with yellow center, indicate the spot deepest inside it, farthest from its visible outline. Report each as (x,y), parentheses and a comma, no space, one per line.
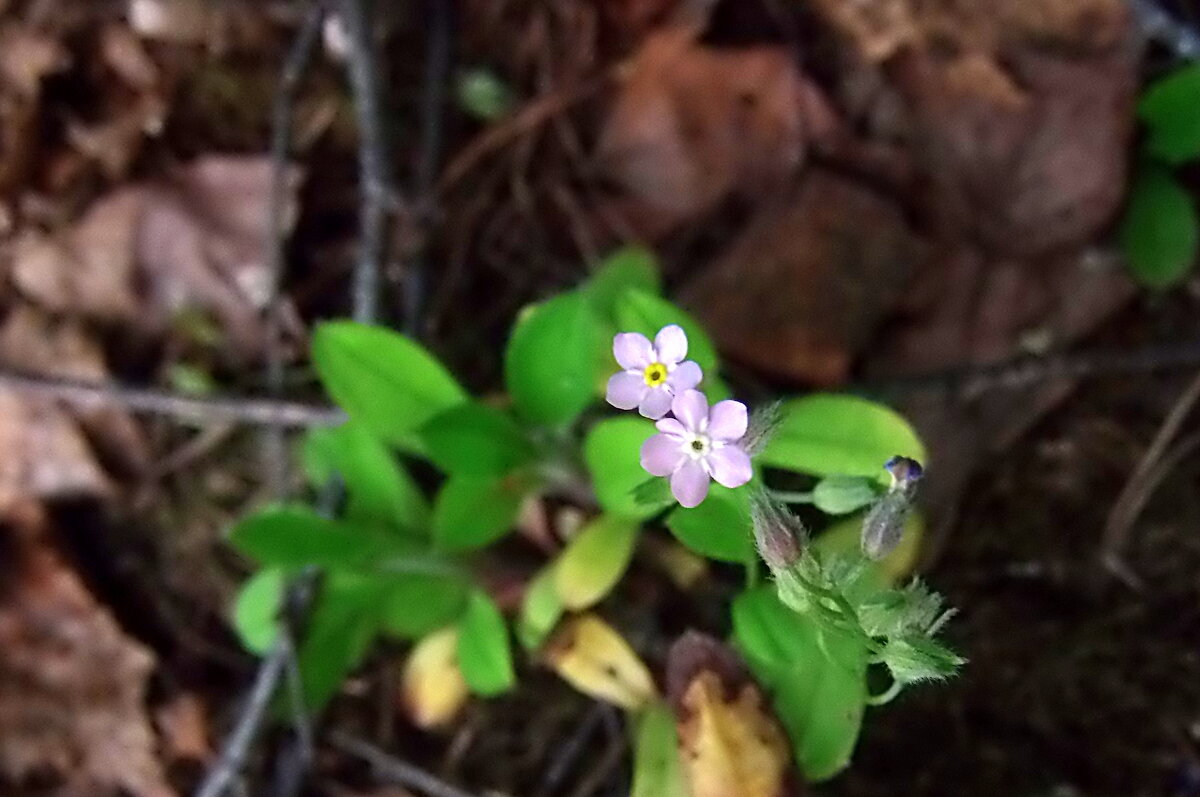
(697,445)
(654,373)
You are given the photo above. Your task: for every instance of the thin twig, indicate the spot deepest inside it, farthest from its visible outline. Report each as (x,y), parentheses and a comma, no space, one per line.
(394,770)
(1142,482)
(375,183)
(294,67)
(194,409)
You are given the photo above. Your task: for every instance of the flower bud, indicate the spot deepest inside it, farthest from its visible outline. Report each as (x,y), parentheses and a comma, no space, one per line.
(778,534)
(764,422)
(905,474)
(884,524)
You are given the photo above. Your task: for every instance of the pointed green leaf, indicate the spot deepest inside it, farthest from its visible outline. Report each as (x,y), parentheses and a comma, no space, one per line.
(384,380)
(548,363)
(473,511)
(656,770)
(841,495)
(339,632)
(719,527)
(612,451)
(295,536)
(540,610)
(256,610)
(476,439)
(1170,107)
(826,434)
(1160,229)
(593,562)
(416,604)
(484,653)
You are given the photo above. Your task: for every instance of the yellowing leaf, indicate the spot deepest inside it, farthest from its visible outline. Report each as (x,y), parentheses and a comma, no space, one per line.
(597,661)
(731,746)
(433,689)
(594,561)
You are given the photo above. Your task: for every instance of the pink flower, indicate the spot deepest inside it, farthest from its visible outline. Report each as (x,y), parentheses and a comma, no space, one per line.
(698,444)
(654,372)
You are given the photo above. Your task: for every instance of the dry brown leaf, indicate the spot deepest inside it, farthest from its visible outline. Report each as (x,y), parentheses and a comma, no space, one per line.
(693,124)
(183,725)
(434,690)
(730,742)
(597,661)
(807,282)
(145,253)
(72,685)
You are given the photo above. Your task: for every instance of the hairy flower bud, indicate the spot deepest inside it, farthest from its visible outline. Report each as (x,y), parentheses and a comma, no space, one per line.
(764,422)
(883,526)
(778,534)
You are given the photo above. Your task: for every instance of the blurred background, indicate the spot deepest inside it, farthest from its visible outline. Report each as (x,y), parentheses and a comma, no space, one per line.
(950,206)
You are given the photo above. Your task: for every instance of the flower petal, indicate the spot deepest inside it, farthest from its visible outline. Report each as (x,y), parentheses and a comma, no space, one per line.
(685,376)
(689,483)
(655,403)
(727,420)
(672,427)
(691,408)
(633,350)
(730,466)
(625,390)
(671,344)
(661,455)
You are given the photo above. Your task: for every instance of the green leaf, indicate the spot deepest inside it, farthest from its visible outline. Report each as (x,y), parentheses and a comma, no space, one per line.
(1170,107)
(416,604)
(915,658)
(641,311)
(826,434)
(384,380)
(483,95)
(630,267)
(540,610)
(593,562)
(656,770)
(475,439)
(484,654)
(256,610)
(841,495)
(612,452)
(843,537)
(718,528)
(548,363)
(1159,229)
(295,536)
(339,632)
(379,489)
(817,680)
(473,511)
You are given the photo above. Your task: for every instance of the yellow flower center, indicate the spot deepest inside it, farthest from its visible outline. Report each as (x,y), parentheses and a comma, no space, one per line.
(655,374)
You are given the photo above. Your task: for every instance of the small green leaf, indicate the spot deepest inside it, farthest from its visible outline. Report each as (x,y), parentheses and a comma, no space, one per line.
(473,511)
(483,95)
(612,451)
(656,770)
(540,610)
(256,610)
(826,434)
(843,538)
(484,654)
(630,267)
(841,495)
(593,562)
(475,439)
(416,604)
(379,489)
(641,311)
(1170,107)
(340,629)
(382,379)
(915,658)
(548,363)
(295,536)
(817,680)
(1159,230)
(718,528)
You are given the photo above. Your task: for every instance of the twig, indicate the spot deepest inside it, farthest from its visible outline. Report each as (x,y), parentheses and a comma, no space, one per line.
(375,182)
(200,410)
(569,752)
(1146,476)
(388,767)
(294,67)
(1158,25)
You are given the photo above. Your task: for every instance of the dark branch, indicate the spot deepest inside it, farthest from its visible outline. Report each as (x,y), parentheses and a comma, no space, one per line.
(393,770)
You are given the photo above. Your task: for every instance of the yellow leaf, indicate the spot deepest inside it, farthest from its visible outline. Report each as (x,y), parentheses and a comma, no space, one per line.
(594,560)
(597,661)
(433,689)
(730,744)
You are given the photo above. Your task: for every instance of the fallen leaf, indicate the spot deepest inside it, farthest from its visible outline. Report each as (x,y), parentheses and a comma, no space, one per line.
(729,739)
(806,284)
(597,661)
(434,690)
(183,724)
(178,21)
(72,685)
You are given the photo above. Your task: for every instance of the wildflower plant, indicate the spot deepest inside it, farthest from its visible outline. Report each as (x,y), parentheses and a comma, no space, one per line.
(680,454)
